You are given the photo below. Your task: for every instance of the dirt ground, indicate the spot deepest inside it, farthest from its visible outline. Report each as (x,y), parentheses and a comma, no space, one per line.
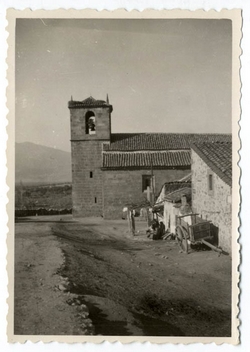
(90,277)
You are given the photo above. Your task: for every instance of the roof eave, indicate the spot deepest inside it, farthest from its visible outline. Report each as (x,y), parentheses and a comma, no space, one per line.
(179,167)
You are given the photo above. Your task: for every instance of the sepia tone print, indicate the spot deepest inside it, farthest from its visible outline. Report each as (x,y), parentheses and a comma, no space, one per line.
(125,192)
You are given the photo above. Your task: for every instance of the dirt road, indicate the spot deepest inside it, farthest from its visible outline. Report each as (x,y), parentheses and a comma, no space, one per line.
(90,277)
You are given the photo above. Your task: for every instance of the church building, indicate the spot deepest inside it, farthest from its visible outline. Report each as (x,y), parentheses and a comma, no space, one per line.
(111,170)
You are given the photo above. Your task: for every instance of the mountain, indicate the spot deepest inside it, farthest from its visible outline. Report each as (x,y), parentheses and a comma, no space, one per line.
(39,164)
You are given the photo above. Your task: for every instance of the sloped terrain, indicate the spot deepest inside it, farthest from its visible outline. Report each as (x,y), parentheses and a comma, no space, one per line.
(39,164)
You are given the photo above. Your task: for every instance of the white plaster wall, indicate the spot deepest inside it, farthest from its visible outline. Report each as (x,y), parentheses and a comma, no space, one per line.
(169,216)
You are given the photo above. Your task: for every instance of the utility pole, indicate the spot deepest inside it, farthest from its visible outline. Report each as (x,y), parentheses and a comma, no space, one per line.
(152,181)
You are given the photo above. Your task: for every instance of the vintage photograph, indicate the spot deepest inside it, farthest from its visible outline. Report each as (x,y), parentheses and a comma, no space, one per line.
(124,177)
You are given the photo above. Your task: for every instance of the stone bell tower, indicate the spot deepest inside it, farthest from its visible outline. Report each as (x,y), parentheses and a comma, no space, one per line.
(90,122)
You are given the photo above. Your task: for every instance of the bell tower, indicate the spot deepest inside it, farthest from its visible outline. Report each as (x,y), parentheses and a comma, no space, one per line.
(90,122)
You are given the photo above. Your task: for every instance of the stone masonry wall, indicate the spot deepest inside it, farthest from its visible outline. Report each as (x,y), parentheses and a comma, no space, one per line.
(125,186)
(86,155)
(86,191)
(102,122)
(212,205)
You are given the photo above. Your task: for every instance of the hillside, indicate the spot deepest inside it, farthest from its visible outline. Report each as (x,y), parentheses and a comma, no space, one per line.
(39,164)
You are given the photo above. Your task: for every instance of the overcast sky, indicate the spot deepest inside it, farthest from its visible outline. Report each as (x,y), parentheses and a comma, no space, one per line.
(161,75)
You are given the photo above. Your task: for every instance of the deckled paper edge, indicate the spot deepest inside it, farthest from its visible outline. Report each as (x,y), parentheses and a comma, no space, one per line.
(235,16)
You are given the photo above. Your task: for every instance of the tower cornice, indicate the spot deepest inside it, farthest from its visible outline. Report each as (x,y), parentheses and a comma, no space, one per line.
(89,103)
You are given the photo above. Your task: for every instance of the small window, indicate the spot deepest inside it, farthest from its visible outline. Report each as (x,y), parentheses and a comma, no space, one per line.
(95,200)
(91,174)
(146,182)
(210,182)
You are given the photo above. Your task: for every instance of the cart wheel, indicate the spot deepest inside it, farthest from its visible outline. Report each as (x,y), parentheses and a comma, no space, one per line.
(182,239)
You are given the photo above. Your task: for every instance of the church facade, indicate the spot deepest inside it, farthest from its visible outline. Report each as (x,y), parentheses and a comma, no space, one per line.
(111,170)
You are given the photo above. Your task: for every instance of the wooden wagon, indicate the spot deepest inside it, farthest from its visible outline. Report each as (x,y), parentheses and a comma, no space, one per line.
(191,229)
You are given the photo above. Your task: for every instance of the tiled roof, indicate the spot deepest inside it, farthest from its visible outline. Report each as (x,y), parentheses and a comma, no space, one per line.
(172,192)
(88,103)
(173,186)
(218,156)
(141,203)
(158,159)
(160,141)
(175,196)
(187,178)
(170,187)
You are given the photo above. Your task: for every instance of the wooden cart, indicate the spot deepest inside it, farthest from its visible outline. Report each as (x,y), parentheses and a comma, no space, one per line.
(191,229)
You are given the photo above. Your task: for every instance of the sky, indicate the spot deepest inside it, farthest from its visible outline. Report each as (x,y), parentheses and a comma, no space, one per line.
(168,75)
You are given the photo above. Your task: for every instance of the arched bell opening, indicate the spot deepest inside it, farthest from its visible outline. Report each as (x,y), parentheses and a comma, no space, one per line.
(90,127)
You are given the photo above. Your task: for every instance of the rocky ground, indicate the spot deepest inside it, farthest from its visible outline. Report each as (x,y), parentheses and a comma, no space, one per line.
(91,278)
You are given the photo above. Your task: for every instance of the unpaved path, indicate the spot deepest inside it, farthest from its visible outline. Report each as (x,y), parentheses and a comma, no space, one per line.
(40,308)
(129,286)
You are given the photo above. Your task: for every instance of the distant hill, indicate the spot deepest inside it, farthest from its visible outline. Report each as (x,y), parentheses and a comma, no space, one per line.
(39,164)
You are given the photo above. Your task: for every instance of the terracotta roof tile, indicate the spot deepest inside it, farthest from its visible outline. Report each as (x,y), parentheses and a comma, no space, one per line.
(187,178)
(160,141)
(141,203)
(176,195)
(170,187)
(146,160)
(218,156)
(173,186)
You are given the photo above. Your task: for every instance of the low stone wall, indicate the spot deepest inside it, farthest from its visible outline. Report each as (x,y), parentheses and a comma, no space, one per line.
(41,211)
